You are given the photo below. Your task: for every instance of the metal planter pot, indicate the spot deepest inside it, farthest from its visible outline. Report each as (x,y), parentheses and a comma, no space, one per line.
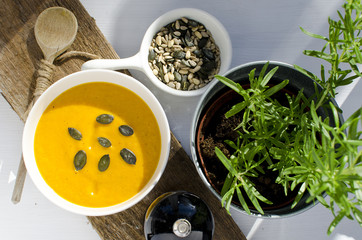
(239,74)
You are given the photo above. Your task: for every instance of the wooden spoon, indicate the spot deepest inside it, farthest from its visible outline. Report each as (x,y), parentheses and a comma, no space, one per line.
(55,30)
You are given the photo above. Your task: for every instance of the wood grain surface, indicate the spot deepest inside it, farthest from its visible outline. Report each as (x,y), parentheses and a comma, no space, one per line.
(19,60)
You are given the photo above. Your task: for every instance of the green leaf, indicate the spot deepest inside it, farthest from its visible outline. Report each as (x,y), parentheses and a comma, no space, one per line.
(252,74)
(225,161)
(242,201)
(227,198)
(347,81)
(300,194)
(262,73)
(353,142)
(322,201)
(255,192)
(268,76)
(318,54)
(357,215)
(313,35)
(230,83)
(314,115)
(352,123)
(232,144)
(307,73)
(357,51)
(335,222)
(335,114)
(236,109)
(296,170)
(276,88)
(251,194)
(227,185)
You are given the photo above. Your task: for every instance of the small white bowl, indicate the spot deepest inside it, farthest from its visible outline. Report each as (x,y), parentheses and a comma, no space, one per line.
(66,83)
(140,60)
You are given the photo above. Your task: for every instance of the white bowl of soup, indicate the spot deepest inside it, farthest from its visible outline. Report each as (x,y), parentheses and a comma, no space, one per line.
(96,142)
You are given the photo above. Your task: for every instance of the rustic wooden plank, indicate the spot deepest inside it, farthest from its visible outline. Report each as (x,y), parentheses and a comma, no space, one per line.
(20,54)
(19,58)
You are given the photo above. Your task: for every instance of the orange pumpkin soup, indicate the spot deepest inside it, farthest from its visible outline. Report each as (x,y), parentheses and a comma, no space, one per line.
(79,108)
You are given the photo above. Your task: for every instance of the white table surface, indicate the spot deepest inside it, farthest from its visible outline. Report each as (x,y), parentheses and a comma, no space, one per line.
(259,30)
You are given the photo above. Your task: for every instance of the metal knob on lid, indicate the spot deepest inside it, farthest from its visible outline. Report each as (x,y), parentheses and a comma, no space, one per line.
(182,228)
(178,215)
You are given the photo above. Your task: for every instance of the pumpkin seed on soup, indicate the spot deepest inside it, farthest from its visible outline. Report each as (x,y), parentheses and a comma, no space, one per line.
(74,133)
(103,163)
(80,159)
(128,156)
(126,130)
(104,142)
(105,118)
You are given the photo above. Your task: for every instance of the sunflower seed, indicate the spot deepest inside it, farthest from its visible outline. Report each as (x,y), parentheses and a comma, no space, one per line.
(198,34)
(158,40)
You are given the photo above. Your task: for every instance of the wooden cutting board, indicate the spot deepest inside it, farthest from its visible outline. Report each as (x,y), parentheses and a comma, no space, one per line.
(19,59)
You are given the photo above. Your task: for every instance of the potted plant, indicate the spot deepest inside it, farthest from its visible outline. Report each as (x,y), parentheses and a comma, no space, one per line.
(279,128)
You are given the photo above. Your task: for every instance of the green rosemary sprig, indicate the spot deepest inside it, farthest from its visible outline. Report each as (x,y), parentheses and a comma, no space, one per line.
(342,47)
(306,151)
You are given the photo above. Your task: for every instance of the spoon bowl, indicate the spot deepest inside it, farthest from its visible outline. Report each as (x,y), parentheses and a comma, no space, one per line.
(55,30)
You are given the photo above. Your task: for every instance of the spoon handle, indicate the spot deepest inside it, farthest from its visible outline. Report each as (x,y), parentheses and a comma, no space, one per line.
(135,62)
(44,80)
(19,183)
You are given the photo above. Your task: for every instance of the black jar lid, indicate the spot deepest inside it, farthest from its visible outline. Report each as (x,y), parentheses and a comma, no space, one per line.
(178,215)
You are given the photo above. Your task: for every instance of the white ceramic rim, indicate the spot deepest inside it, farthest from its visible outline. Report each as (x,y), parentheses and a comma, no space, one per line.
(217,30)
(73,80)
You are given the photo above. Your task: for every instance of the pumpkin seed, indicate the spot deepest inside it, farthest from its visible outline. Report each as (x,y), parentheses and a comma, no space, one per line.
(208,53)
(197,53)
(126,130)
(105,118)
(74,133)
(177,76)
(185,62)
(128,156)
(208,67)
(187,40)
(103,163)
(160,67)
(151,55)
(80,159)
(202,43)
(179,54)
(184,84)
(104,142)
(193,23)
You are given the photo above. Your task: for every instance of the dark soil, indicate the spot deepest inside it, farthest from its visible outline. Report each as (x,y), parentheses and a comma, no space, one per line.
(219,129)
